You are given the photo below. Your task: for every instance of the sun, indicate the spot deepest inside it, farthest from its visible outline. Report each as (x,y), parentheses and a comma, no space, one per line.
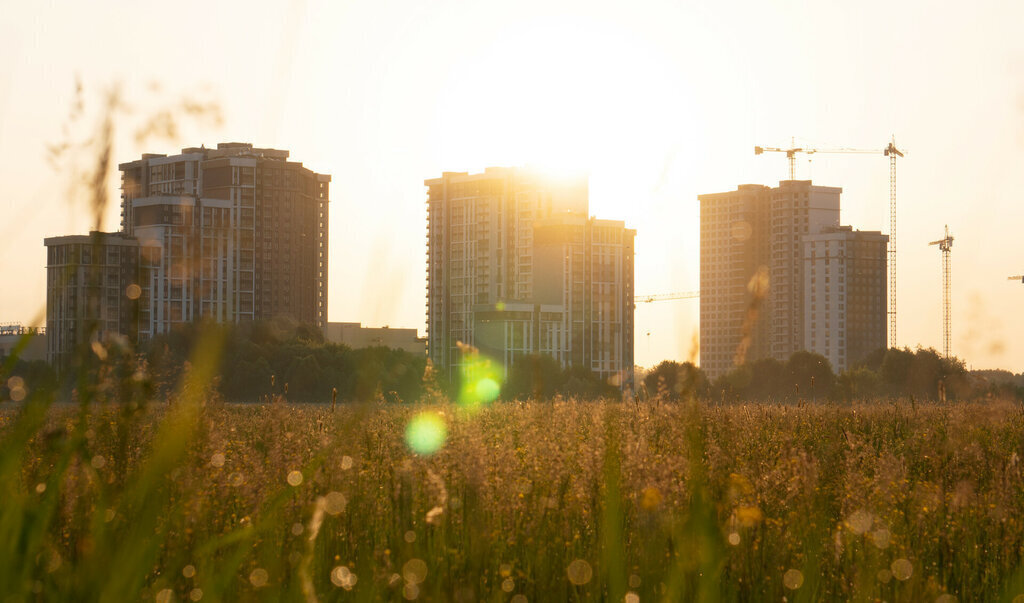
(564,94)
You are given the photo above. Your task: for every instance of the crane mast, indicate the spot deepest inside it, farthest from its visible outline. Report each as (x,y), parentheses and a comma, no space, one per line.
(892,153)
(945,246)
(790,155)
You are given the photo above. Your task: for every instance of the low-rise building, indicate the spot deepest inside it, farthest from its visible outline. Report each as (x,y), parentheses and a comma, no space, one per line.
(355,335)
(12,335)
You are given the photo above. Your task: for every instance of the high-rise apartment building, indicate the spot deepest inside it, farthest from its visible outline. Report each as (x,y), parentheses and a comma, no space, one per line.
(797,208)
(231,234)
(515,266)
(89,286)
(760,230)
(734,232)
(242,233)
(845,294)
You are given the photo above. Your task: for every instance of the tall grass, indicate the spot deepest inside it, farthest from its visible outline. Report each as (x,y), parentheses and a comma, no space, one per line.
(564,501)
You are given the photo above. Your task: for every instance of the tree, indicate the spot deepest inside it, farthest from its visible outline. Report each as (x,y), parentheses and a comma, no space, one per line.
(810,375)
(303,377)
(536,376)
(768,380)
(860,383)
(674,380)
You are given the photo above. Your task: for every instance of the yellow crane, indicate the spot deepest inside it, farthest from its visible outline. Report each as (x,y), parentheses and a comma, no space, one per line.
(892,153)
(946,246)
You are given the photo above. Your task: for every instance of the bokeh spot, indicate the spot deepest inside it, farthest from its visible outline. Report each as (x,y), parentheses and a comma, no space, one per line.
(426,433)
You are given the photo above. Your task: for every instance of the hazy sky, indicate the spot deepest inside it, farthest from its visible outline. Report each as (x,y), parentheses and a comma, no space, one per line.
(661,101)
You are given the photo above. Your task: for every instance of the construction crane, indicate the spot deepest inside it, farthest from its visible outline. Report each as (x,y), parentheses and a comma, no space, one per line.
(946,246)
(1017,278)
(892,153)
(790,155)
(792,152)
(646,299)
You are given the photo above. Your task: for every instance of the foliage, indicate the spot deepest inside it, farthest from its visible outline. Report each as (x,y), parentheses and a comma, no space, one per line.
(262,359)
(884,374)
(675,381)
(34,373)
(539,376)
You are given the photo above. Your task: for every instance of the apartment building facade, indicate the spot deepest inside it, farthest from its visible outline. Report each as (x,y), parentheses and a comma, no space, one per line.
(515,266)
(845,294)
(733,249)
(243,234)
(91,286)
(759,230)
(797,209)
(232,234)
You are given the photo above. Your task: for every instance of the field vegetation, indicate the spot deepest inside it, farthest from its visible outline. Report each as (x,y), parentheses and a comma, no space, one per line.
(185,497)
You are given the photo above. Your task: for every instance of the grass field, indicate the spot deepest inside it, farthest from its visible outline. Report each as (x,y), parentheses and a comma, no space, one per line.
(520,502)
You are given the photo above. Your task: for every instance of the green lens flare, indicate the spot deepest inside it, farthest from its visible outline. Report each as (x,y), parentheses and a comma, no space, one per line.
(487,389)
(481,380)
(426,433)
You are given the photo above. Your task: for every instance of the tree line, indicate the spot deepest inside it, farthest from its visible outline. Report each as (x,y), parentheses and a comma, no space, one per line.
(267,359)
(920,374)
(270,359)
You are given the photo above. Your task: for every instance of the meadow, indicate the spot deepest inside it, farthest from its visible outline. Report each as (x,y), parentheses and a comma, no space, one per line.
(192,499)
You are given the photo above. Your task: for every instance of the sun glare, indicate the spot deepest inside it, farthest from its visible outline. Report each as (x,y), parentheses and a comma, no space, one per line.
(565,95)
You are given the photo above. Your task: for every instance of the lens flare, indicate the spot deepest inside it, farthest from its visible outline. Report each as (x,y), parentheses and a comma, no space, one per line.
(426,433)
(481,378)
(487,389)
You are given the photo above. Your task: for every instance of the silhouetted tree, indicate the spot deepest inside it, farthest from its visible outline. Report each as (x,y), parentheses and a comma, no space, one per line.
(768,380)
(860,383)
(810,375)
(537,376)
(292,354)
(675,380)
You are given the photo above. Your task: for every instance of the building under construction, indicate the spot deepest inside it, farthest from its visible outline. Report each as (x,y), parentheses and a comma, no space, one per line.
(779,275)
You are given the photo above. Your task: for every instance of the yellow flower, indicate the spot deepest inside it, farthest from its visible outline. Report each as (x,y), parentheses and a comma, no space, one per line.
(651,498)
(749,516)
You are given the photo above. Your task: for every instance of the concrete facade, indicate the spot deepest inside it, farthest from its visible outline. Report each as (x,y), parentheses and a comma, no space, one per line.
(733,248)
(243,233)
(760,230)
(845,294)
(88,280)
(232,234)
(797,209)
(515,266)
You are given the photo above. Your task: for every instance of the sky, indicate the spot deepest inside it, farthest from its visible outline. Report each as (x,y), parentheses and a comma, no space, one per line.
(660,101)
